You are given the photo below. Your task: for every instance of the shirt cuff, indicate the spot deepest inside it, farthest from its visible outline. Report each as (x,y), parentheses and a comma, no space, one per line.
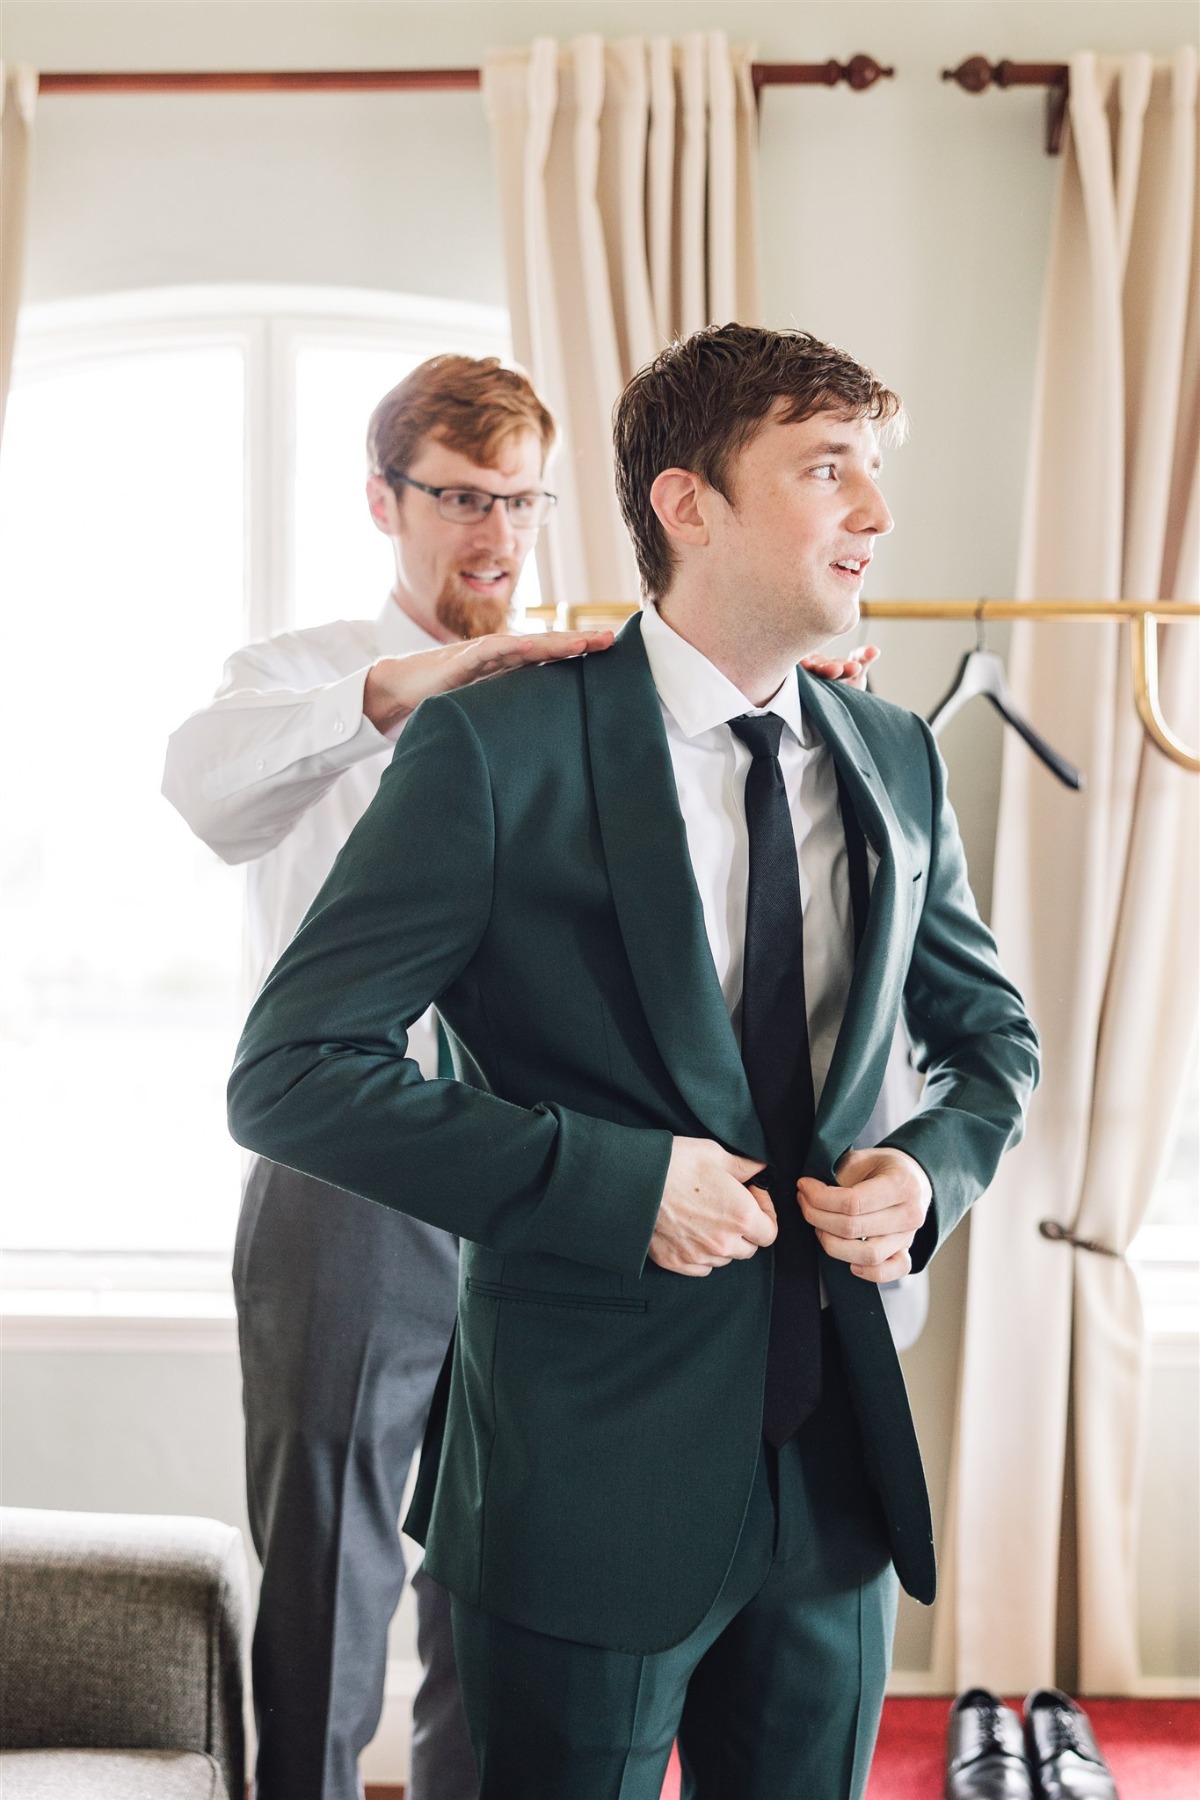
(326,730)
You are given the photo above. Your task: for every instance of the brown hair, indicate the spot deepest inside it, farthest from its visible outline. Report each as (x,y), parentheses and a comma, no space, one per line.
(705,397)
(472,404)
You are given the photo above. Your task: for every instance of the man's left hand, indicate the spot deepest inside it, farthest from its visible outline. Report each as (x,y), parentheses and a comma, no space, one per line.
(852,667)
(871,1217)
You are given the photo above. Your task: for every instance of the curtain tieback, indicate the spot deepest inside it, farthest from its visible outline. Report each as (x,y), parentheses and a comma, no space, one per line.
(1058,1234)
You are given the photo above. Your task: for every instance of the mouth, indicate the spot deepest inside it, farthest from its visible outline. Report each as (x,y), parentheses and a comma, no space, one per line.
(851,568)
(485,581)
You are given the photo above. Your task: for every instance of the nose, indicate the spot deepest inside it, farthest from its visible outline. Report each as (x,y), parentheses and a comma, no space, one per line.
(495,530)
(870,513)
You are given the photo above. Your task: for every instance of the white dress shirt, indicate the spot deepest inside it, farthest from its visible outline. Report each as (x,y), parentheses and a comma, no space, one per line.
(710,766)
(280,766)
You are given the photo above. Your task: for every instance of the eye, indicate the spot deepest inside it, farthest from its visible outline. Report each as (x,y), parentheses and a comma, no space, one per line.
(825,472)
(521,505)
(464,500)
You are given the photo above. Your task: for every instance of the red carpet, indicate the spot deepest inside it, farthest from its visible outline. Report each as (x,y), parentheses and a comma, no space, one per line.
(1151,1746)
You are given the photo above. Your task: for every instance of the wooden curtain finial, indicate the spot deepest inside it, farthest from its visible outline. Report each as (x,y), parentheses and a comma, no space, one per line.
(977,74)
(860,73)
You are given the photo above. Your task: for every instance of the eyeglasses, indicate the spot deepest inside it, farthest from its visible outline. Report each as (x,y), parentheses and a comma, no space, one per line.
(466,506)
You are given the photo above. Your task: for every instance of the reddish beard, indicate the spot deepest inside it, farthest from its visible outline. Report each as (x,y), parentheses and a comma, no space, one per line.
(470,615)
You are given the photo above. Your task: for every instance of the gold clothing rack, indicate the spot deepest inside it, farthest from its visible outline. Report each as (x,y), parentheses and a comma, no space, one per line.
(1144,616)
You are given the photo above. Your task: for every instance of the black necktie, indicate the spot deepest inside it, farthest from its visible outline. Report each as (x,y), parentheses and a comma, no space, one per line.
(776,1058)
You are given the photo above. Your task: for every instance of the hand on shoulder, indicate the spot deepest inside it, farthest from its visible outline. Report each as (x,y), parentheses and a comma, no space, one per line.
(851,668)
(396,685)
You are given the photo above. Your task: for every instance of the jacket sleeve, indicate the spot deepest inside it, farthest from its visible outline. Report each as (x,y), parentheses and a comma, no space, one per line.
(245,768)
(323,1081)
(971,1035)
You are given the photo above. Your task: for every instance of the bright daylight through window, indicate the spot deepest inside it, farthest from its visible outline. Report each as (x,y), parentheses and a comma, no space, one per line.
(121,519)
(142,543)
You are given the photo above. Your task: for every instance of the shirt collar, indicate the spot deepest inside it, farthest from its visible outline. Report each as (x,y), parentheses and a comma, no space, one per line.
(698,696)
(398,633)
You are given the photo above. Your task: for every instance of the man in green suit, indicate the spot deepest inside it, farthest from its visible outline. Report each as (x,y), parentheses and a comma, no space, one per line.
(669,901)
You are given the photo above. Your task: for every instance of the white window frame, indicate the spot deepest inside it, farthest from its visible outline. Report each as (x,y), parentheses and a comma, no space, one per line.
(78,1300)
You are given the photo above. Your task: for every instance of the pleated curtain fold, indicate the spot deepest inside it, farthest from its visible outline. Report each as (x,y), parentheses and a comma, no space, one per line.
(627,178)
(18,98)
(1095,904)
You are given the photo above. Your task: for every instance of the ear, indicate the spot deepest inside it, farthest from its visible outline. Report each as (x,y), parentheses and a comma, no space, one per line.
(682,502)
(383,505)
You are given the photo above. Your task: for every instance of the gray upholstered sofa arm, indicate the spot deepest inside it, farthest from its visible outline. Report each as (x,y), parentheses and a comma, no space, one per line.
(123,1632)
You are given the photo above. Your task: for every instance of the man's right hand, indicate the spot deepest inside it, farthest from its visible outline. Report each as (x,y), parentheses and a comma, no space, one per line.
(708,1217)
(396,685)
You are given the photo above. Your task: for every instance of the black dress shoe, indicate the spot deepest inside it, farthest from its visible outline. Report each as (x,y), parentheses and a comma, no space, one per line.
(985,1750)
(1063,1754)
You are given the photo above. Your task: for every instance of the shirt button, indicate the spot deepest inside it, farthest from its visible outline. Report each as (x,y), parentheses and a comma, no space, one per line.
(339,726)
(259,763)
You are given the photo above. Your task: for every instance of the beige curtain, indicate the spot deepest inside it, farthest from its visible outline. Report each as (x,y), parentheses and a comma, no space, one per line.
(627,193)
(1095,902)
(18,96)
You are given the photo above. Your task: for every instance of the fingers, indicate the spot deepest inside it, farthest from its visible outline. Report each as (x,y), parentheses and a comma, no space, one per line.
(870,1216)
(851,668)
(747,1230)
(891,1222)
(545,646)
(871,1255)
(708,1217)
(893,1269)
(759,1227)
(741,1167)
(551,646)
(845,1211)
(763,1198)
(878,1192)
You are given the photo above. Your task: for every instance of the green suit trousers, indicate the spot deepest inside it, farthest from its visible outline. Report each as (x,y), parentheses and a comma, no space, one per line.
(776,1695)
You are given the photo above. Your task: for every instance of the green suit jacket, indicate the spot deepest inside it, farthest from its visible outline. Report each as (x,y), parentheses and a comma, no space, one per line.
(525,866)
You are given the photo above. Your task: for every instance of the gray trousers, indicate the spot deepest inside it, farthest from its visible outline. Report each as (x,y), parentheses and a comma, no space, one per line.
(344,1313)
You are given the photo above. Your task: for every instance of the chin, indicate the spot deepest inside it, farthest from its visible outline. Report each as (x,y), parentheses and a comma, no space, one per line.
(473,615)
(844,616)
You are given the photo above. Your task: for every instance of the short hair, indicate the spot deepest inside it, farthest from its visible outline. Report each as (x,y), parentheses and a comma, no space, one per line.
(473,404)
(705,397)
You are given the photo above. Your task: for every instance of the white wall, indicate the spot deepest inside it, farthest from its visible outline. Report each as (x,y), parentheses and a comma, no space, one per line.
(909,223)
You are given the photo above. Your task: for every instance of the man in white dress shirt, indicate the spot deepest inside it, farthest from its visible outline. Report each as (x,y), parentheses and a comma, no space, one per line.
(345,1308)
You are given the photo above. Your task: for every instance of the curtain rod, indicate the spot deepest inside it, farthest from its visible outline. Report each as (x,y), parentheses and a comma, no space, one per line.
(860,73)
(977,74)
(1144,615)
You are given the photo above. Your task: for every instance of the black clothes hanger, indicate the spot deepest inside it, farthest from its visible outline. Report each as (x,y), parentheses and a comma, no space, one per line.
(982,672)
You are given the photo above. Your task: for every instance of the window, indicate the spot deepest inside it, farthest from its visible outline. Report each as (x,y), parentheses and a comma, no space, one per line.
(180,472)
(122,530)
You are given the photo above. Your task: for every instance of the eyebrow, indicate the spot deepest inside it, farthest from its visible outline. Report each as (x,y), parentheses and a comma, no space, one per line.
(832,449)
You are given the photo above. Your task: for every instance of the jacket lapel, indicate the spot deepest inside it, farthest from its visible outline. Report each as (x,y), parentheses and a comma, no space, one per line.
(873,1003)
(654,891)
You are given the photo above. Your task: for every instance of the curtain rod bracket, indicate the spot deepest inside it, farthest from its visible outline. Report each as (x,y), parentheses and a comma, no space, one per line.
(977,74)
(1056,118)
